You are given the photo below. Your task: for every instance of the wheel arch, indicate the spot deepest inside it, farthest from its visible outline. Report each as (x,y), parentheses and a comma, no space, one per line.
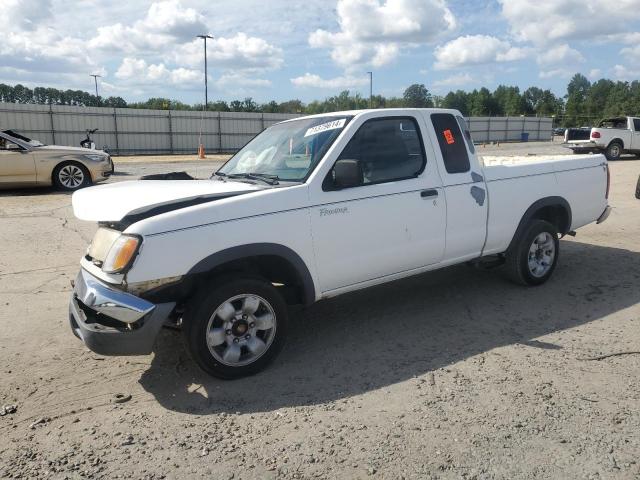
(555,210)
(277,263)
(616,140)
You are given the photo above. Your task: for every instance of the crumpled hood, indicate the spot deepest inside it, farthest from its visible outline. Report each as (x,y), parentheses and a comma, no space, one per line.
(115,201)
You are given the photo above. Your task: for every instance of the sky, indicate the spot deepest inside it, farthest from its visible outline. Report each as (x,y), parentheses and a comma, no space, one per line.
(280,50)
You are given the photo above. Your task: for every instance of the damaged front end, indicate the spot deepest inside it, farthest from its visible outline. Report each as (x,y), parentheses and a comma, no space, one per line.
(113,322)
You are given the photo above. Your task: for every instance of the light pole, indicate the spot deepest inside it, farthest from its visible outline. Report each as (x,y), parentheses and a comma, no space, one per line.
(206,95)
(370,89)
(95,79)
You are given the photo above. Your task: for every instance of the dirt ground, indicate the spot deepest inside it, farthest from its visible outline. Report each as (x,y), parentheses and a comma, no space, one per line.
(452,374)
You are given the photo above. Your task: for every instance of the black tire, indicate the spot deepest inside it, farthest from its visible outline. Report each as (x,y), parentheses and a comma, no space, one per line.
(203,306)
(638,189)
(613,151)
(517,259)
(71,176)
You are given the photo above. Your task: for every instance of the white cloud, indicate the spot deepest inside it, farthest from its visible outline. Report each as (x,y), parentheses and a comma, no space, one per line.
(556,73)
(560,55)
(631,54)
(138,71)
(546,22)
(165,23)
(24,14)
(560,61)
(315,81)
(624,73)
(373,31)
(457,80)
(594,73)
(474,50)
(237,52)
(240,80)
(44,51)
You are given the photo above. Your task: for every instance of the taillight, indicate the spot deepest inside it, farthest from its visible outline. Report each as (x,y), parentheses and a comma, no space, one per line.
(606,194)
(595,134)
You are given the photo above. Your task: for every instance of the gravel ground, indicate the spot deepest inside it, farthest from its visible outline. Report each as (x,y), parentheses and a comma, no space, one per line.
(452,374)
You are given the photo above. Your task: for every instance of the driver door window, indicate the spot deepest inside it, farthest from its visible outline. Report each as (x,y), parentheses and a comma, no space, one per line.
(16,164)
(8,146)
(389,149)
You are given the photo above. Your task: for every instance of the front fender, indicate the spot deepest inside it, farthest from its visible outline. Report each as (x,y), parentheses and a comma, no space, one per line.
(260,249)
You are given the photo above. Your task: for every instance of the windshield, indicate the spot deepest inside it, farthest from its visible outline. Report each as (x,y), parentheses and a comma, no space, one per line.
(287,151)
(33,143)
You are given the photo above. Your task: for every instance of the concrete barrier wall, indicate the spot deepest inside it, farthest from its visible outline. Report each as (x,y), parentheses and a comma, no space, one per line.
(128,131)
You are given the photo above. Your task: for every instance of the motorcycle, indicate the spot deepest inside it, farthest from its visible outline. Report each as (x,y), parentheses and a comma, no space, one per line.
(88,142)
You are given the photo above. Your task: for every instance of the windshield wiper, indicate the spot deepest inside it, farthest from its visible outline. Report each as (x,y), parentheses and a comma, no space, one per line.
(265,177)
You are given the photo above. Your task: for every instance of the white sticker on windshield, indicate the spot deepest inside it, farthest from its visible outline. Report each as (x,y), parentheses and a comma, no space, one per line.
(335,124)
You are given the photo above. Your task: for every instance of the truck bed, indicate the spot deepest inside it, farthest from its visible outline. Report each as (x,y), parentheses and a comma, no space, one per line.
(515,183)
(504,167)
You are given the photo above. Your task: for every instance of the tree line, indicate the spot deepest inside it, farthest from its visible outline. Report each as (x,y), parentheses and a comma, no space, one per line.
(583,104)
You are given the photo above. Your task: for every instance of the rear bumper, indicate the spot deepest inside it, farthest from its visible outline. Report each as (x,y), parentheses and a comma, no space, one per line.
(604,215)
(588,146)
(111,322)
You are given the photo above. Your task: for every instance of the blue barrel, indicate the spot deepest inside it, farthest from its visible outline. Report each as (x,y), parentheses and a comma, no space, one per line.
(524,136)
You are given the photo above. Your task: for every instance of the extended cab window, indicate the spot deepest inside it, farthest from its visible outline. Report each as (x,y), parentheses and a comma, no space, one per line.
(388,148)
(452,146)
(467,134)
(636,124)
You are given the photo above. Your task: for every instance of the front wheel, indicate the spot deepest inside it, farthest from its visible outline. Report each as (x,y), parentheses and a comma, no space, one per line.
(533,258)
(236,328)
(71,176)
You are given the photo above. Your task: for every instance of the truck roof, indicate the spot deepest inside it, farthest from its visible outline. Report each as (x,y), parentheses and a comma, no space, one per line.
(370,110)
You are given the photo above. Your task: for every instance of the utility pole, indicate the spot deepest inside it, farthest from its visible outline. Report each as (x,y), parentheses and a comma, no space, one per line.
(206,94)
(95,79)
(370,89)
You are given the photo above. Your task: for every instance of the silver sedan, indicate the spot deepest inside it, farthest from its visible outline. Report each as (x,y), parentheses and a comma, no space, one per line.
(29,163)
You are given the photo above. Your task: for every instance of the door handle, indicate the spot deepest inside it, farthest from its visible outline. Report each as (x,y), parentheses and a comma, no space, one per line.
(429,193)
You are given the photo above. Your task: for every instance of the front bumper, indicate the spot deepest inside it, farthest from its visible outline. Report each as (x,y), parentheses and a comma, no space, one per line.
(111,322)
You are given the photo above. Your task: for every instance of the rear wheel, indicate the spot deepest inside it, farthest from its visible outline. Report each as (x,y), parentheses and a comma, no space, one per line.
(534,257)
(613,151)
(237,327)
(71,176)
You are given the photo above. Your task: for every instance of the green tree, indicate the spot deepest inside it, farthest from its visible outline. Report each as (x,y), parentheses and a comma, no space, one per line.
(458,100)
(576,94)
(417,96)
(291,106)
(483,103)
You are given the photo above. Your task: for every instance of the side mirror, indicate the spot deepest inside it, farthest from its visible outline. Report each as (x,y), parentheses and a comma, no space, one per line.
(348,173)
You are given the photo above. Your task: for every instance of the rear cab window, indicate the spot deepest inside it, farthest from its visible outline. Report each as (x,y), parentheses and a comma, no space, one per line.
(636,124)
(452,142)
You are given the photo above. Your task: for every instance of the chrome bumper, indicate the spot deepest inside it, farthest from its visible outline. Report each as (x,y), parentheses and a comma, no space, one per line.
(111,322)
(105,300)
(587,145)
(604,215)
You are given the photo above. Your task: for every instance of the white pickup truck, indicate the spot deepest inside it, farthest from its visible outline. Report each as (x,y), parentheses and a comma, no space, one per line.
(612,136)
(309,209)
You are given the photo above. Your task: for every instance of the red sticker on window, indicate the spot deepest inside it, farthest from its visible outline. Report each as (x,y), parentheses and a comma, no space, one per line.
(448,136)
